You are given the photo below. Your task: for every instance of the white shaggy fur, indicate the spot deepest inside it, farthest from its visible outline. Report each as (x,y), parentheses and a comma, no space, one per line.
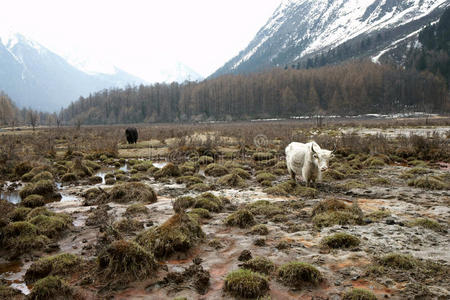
(307,159)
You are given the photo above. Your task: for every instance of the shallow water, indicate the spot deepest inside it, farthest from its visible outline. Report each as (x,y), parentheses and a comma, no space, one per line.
(102,175)
(12,197)
(160,164)
(67,198)
(13,272)
(124,168)
(21,287)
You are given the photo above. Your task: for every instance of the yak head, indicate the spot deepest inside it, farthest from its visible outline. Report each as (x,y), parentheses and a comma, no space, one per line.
(321,158)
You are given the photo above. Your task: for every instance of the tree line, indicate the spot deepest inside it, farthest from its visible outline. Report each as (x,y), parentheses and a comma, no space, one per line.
(11,115)
(434,55)
(346,89)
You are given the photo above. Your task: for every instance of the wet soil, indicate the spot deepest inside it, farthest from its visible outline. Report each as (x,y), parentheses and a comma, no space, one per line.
(342,269)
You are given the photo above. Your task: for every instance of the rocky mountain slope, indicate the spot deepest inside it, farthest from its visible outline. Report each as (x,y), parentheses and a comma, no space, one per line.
(33,76)
(316,32)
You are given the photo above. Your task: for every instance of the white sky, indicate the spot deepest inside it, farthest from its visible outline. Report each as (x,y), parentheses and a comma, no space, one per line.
(141,36)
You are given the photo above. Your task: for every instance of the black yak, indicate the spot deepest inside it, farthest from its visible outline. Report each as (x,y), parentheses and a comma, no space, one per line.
(132,135)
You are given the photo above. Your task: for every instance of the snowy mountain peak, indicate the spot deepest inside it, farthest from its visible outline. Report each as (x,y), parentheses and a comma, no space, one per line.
(34,76)
(91,66)
(11,38)
(299,29)
(178,72)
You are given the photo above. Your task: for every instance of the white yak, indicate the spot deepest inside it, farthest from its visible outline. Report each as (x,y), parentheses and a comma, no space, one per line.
(308,159)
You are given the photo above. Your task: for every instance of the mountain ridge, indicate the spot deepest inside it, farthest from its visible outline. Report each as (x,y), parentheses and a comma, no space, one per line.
(35,76)
(301,29)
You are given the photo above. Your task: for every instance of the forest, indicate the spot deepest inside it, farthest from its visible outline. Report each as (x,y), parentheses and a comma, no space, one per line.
(347,89)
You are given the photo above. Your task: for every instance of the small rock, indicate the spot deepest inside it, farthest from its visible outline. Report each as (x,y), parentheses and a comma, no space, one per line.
(390,221)
(87,247)
(259,242)
(245,255)
(197,260)
(84,241)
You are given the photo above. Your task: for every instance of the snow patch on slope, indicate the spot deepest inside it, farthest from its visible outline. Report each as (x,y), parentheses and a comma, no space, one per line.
(315,25)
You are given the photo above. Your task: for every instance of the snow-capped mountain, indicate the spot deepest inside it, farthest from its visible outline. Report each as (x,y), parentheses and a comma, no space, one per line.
(33,76)
(301,29)
(177,72)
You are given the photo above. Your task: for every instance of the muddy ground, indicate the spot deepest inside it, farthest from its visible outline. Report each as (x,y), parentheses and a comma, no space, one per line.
(389,208)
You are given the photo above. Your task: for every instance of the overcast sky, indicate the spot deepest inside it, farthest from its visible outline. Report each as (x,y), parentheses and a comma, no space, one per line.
(142,36)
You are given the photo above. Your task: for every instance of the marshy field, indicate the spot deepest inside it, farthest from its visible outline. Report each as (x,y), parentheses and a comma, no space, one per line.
(209,211)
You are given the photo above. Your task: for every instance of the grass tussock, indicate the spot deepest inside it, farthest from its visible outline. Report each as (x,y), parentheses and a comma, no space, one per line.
(265,176)
(378,214)
(242,218)
(136,209)
(132,192)
(182,203)
(340,240)
(42,187)
(7,292)
(69,177)
(45,175)
(335,212)
(128,225)
(262,156)
(18,214)
(216,170)
(246,284)
(299,274)
(259,264)
(61,264)
(428,183)
(264,208)
(33,201)
(28,176)
(20,237)
(51,287)
(291,188)
(200,187)
(201,212)
(232,180)
(205,160)
(80,168)
(126,261)
(259,229)
(169,170)
(241,172)
(53,225)
(398,261)
(188,180)
(427,223)
(179,233)
(359,294)
(209,201)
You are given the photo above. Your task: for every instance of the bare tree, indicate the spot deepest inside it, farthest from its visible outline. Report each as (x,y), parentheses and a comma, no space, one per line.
(33,118)
(78,123)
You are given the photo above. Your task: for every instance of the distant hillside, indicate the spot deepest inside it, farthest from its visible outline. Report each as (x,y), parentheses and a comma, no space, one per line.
(34,76)
(313,33)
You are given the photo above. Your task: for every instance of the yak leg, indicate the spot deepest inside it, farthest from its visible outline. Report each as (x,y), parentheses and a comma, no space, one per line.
(292,174)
